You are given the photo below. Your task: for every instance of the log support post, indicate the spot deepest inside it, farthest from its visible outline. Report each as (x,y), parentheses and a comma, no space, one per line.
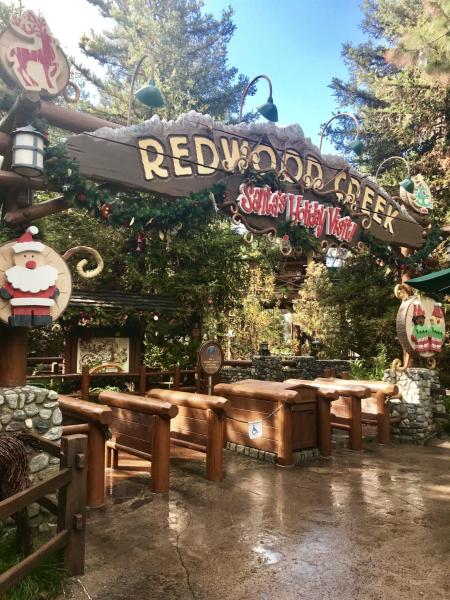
(142,380)
(285,457)
(214,448)
(160,454)
(355,438)
(324,425)
(85,382)
(177,377)
(13,363)
(96,467)
(72,501)
(383,418)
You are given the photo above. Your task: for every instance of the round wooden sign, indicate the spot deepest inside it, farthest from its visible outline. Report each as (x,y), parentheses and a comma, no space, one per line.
(35,282)
(210,357)
(31,57)
(421,326)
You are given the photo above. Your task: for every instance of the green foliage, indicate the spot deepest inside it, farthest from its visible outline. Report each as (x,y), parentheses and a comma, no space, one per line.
(189,50)
(45,582)
(402,114)
(351,310)
(372,368)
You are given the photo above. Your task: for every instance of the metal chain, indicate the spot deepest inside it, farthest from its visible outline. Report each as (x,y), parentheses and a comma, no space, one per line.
(258,420)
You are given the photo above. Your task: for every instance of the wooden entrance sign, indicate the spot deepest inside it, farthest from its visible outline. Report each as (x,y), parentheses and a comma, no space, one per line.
(194,152)
(210,360)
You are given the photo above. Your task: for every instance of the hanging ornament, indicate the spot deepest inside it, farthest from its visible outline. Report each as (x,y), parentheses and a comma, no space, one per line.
(140,241)
(161,235)
(131,222)
(105,211)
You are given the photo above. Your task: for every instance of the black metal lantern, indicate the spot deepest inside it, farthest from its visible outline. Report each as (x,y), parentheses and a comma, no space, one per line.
(264,349)
(28,152)
(315,344)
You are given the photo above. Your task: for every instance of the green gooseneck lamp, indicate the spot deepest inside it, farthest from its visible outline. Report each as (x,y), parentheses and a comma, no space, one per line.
(268,110)
(355,145)
(149,94)
(407,184)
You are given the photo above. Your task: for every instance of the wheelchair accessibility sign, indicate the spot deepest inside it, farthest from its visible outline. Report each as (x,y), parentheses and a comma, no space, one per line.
(255,429)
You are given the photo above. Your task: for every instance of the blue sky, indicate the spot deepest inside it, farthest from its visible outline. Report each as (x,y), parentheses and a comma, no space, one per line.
(297,43)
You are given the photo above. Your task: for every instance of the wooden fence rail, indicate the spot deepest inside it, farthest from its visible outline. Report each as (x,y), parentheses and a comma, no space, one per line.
(71,509)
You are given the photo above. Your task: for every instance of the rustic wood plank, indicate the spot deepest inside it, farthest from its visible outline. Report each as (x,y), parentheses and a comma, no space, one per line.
(19,501)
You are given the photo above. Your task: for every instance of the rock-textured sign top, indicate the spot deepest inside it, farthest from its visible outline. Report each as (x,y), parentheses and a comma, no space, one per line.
(31,58)
(193,152)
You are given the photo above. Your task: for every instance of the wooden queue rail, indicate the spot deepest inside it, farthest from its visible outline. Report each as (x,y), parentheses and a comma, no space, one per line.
(141,426)
(334,391)
(199,425)
(375,407)
(71,510)
(94,420)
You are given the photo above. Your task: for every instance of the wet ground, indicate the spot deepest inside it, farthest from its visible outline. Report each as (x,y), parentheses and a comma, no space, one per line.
(371,525)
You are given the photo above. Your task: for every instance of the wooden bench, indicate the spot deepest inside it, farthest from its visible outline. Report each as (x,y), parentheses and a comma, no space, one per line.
(199,425)
(292,419)
(141,426)
(334,391)
(374,408)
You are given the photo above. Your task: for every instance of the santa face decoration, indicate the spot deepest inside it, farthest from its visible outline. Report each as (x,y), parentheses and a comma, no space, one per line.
(35,282)
(421,326)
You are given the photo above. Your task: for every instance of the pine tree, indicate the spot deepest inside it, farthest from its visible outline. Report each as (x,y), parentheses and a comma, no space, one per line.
(189,50)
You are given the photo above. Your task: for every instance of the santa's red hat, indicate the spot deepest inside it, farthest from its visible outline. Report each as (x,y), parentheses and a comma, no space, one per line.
(418,310)
(437,311)
(26,243)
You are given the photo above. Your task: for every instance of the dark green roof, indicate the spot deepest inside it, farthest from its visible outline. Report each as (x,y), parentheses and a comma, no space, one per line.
(111,300)
(437,282)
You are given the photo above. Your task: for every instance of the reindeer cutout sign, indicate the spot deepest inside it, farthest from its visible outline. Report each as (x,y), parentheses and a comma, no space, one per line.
(31,57)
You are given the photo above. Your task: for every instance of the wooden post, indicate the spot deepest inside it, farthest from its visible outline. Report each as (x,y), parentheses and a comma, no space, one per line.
(85,382)
(160,454)
(177,377)
(72,501)
(96,467)
(214,446)
(142,380)
(384,424)
(285,431)
(13,363)
(355,438)
(324,414)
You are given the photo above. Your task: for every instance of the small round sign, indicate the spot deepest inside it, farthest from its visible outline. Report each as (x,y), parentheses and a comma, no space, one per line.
(210,357)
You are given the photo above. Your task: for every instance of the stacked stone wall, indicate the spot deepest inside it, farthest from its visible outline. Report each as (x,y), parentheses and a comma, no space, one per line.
(421,406)
(271,368)
(31,409)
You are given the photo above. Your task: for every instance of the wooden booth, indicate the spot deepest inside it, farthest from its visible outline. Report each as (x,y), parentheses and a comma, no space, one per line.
(111,347)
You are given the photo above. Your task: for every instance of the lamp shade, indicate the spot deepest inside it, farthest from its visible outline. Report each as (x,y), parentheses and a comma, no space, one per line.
(28,152)
(356,146)
(268,110)
(150,95)
(407,184)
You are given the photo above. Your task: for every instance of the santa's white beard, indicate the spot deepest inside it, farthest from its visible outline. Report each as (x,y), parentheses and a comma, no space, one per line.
(32,280)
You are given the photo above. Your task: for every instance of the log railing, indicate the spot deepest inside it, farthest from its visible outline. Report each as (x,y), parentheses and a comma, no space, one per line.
(71,510)
(94,420)
(375,408)
(141,426)
(199,425)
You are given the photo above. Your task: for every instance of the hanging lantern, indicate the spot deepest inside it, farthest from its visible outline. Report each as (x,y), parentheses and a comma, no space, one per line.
(28,152)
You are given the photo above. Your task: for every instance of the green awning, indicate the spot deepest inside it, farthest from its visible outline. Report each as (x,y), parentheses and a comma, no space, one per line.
(438,282)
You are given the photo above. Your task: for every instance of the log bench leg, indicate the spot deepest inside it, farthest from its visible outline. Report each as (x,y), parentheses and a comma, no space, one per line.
(285,456)
(383,419)
(214,448)
(355,438)
(160,454)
